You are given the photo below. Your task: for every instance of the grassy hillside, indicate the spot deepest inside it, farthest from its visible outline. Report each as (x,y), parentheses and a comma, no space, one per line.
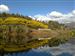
(19,19)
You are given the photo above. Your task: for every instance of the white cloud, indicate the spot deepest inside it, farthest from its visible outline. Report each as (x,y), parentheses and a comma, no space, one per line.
(41,17)
(4,8)
(57,16)
(70,17)
(73,12)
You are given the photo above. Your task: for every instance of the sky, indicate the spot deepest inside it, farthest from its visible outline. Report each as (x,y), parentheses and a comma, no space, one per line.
(38,8)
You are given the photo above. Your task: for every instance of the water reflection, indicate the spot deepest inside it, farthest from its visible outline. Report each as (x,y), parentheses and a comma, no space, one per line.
(67,49)
(65,54)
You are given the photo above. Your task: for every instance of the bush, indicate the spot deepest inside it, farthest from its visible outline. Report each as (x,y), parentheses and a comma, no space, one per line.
(56,41)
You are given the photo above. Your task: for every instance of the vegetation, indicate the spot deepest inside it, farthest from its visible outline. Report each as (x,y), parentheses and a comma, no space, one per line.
(19,19)
(24,47)
(55,25)
(56,41)
(15,32)
(19,32)
(73,32)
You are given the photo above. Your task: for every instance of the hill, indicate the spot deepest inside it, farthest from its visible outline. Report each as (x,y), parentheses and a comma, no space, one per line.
(6,18)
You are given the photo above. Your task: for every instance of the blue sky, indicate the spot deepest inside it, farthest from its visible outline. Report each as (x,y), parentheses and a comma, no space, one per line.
(33,7)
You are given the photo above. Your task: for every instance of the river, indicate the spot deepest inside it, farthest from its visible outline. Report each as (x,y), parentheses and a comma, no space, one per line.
(67,49)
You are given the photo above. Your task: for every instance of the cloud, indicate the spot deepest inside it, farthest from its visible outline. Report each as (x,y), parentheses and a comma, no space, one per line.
(73,12)
(41,17)
(68,18)
(4,8)
(56,16)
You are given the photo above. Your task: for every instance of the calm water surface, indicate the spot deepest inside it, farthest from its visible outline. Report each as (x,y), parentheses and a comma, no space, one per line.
(67,49)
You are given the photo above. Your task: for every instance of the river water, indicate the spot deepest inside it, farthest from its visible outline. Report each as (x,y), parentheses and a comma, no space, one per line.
(67,49)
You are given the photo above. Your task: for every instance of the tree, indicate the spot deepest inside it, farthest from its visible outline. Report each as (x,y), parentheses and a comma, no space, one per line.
(54,25)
